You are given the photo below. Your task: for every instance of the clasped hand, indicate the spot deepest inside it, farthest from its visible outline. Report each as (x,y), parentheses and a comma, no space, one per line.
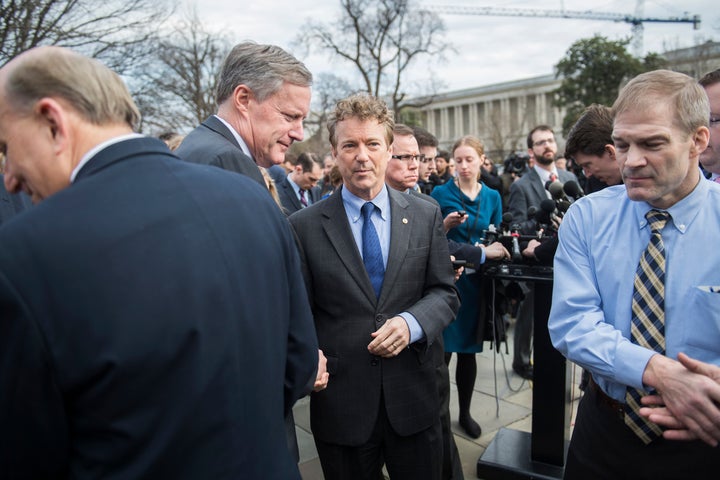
(687,404)
(390,339)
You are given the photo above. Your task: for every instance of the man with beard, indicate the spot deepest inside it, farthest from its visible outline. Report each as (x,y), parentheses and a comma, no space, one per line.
(710,158)
(529,191)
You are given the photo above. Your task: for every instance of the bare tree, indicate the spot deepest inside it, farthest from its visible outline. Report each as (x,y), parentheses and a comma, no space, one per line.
(177,91)
(381,39)
(115,31)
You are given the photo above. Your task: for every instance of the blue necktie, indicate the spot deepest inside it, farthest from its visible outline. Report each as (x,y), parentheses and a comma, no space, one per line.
(372,253)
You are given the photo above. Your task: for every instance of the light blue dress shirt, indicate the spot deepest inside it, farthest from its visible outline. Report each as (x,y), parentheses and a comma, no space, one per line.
(601,239)
(381,221)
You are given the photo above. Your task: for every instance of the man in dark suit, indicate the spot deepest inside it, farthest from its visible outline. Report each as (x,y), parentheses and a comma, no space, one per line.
(296,190)
(145,331)
(263,96)
(381,291)
(529,191)
(11,205)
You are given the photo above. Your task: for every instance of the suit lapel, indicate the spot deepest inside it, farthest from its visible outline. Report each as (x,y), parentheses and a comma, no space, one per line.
(335,223)
(214,124)
(537,187)
(289,192)
(400,228)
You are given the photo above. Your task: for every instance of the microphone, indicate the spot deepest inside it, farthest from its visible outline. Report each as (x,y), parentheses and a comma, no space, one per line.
(556,190)
(572,189)
(507,219)
(543,215)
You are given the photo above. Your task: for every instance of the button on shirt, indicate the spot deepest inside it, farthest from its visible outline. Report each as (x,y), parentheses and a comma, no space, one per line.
(601,239)
(353,204)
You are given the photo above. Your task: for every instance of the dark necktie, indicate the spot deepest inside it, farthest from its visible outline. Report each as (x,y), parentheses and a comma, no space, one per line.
(303,200)
(372,253)
(648,317)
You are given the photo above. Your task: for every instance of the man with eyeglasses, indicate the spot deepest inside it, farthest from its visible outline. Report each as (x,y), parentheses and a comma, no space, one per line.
(529,191)
(710,158)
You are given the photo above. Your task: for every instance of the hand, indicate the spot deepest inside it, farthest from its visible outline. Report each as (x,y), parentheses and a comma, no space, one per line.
(458,271)
(453,220)
(496,251)
(555,221)
(530,249)
(390,339)
(323,377)
(688,398)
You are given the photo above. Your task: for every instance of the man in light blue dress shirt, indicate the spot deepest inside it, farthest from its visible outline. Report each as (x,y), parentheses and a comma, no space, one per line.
(660,129)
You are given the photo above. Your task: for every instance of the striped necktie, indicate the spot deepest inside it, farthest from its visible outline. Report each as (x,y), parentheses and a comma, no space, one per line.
(648,317)
(303,200)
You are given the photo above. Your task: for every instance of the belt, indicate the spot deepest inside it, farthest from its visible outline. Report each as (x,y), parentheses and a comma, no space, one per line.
(604,399)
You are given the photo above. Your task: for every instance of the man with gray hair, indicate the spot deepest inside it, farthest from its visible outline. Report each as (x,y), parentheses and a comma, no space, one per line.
(145,331)
(635,300)
(263,96)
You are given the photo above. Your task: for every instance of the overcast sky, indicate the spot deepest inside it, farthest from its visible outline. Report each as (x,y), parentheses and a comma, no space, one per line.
(490,49)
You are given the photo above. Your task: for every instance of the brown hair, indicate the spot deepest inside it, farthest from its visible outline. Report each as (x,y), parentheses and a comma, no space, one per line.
(362,107)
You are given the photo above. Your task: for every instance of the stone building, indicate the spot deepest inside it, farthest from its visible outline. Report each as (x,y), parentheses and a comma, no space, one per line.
(501,114)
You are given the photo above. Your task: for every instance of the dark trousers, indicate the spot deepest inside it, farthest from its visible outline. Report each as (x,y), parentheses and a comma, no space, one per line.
(451,466)
(603,447)
(414,457)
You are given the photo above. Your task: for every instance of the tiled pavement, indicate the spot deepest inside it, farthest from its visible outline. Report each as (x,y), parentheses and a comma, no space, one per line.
(512,409)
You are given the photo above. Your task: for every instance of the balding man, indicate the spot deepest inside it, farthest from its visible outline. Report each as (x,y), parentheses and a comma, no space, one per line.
(145,331)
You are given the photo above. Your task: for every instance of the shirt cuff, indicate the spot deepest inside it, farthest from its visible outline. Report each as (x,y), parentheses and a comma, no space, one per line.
(416,331)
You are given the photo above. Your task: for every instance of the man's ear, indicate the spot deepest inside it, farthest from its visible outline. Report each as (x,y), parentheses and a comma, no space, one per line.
(700,139)
(610,149)
(241,97)
(53,116)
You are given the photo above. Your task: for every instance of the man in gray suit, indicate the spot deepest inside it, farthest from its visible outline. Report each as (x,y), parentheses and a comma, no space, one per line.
(297,189)
(529,191)
(263,95)
(381,289)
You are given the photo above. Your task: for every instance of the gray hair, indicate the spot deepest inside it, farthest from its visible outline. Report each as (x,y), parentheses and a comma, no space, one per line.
(92,89)
(262,68)
(691,108)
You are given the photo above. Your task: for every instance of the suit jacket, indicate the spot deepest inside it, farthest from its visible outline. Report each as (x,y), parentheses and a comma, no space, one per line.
(11,204)
(147,332)
(418,279)
(289,199)
(528,192)
(212,143)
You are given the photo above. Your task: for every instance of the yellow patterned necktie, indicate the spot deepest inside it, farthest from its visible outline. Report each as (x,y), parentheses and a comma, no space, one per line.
(648,317)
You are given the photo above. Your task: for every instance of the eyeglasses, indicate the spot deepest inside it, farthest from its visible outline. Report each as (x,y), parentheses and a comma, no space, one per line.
(410,158)
(542,143)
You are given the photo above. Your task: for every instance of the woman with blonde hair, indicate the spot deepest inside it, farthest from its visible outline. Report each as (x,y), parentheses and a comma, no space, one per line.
(469,207)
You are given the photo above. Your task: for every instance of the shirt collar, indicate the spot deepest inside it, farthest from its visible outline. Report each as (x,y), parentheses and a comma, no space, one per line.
(241,142)
(96,149)
(683,212)
(544,174)
(353,203)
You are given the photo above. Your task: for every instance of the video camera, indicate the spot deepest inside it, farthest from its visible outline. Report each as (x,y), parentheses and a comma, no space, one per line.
(516,163)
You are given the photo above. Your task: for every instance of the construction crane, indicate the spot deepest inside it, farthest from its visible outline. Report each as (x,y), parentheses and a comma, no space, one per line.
(636,20)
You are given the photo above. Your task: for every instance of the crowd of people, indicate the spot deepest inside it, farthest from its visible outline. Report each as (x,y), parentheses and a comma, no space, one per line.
(166,301)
